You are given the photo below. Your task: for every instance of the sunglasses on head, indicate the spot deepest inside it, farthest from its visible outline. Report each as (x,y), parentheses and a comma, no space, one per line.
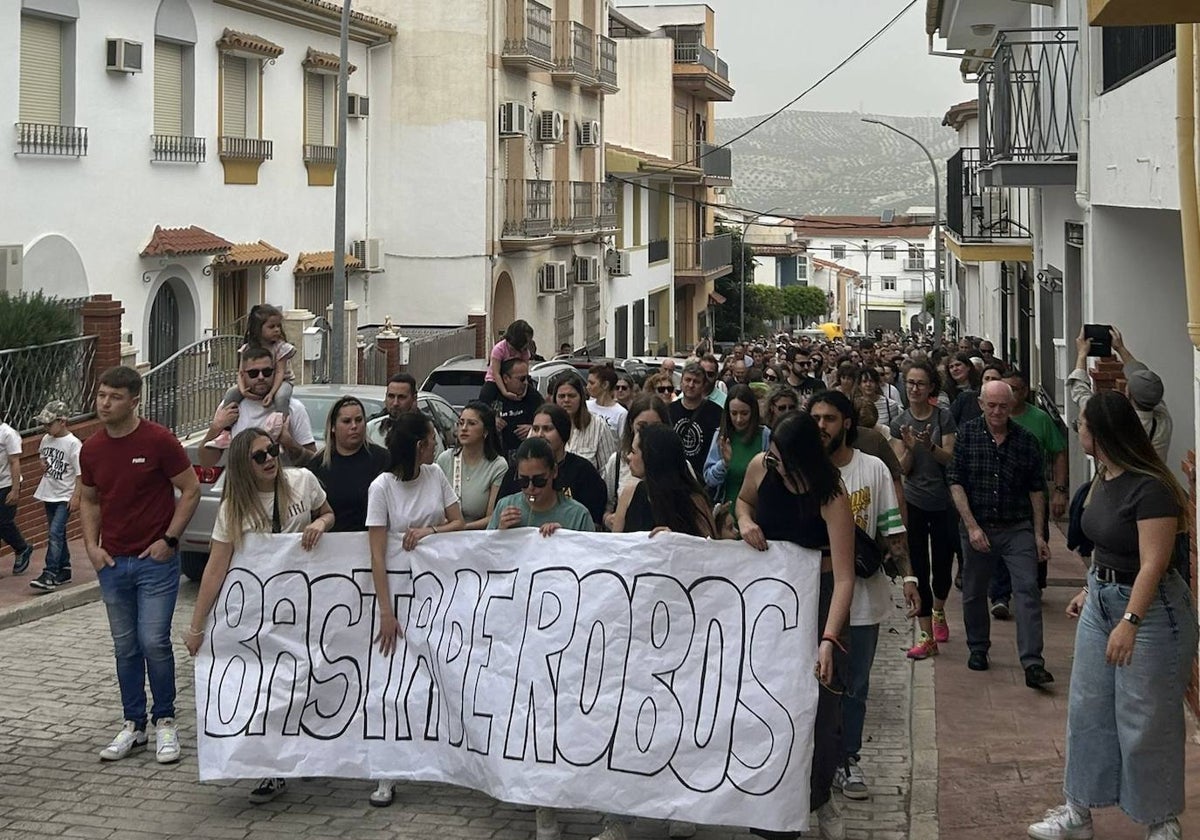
(538,481)
(260,457)
(255,373)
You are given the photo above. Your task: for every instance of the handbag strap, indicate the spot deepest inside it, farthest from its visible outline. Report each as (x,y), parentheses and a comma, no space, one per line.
(276,526)
(458,471)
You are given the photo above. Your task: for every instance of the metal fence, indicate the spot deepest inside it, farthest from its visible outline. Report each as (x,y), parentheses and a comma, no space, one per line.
(30,377)
(183,392)
(428,348)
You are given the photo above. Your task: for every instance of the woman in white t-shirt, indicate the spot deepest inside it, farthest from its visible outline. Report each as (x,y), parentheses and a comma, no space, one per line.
(601,385)
(259,496)
(408,503)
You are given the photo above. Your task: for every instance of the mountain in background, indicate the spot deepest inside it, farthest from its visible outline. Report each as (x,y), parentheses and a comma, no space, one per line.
(835,164)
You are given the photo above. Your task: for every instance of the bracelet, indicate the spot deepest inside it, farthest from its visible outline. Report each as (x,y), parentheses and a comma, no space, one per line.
(911,579)
(192,631)
(835,641)
(433,528)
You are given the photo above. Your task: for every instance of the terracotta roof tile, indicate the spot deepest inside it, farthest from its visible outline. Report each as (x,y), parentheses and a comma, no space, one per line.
(246,254)
(232,41)
(319,262)
(323,62)
(181,242)
(960,113)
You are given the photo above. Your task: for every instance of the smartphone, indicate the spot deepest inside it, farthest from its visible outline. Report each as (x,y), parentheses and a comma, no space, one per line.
(1099,338)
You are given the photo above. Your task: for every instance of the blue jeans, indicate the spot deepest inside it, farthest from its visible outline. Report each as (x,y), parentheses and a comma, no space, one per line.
(139,595)
(1125,726)
(58,559)
(9,532)
(863,641)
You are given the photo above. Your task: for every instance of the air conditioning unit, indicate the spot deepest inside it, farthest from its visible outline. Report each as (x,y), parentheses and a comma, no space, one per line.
(10,268)
(123,56)
(550,127)
(587,271)
(358,106)
(552,278)
(514,119)
(618,263)
(369,252)
(589,133)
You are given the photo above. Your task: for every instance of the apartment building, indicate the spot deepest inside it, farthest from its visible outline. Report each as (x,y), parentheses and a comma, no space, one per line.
(179,155)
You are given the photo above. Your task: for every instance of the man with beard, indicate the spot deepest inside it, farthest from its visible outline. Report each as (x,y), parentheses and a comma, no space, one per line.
(876,511)
(401,398)
(694,417)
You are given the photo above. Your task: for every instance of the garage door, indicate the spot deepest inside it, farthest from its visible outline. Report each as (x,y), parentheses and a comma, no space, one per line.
(883,319)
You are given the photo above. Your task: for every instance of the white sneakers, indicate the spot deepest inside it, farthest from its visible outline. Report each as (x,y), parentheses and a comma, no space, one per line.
(547,824)
(613,830)
(830,822)
(127,740)
(383,794)
(1168,830)
(166,741)
(849,779)
(1066,822)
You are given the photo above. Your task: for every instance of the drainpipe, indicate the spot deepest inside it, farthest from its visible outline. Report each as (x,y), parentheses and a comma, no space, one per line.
(1189,209)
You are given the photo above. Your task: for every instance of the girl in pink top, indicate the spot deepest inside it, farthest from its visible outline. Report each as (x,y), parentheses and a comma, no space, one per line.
(514,345)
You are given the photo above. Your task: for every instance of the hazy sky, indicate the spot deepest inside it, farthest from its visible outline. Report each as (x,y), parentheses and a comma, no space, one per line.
(777,48)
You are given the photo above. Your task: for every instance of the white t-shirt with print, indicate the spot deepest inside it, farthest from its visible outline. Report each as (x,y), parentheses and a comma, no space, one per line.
(876,510)
(399,505)
(614,415)
(307,496)
(60,467)
(10,444)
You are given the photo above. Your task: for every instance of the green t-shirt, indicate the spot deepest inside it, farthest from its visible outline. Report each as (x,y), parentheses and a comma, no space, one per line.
(1042,426)
(741,455)
(476,482)
(568,513)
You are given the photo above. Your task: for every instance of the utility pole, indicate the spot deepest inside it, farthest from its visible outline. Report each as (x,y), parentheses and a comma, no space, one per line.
(337,350)
(742,267)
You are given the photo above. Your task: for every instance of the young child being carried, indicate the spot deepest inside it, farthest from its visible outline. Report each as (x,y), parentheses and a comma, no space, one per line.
(264,328)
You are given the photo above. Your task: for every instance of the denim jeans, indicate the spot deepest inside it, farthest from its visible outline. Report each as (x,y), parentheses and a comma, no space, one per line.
(863,641)
(139,595)
(58,559)
(9,532)
(1125,726)
(1015,548)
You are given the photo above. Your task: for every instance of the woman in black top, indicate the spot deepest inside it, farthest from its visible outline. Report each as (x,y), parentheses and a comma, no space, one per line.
(348,464)
(1136,637)
(668,497)
(793,492)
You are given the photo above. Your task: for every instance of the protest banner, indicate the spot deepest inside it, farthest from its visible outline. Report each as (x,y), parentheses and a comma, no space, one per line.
(669,677)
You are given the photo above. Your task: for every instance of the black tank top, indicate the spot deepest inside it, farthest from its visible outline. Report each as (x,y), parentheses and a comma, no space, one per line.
(639,516)
(793,517)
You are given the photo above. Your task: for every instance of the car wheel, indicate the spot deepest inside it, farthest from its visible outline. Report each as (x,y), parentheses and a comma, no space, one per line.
(192,564)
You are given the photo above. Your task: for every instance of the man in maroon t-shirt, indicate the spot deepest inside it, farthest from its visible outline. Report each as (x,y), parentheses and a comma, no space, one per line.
(129,472)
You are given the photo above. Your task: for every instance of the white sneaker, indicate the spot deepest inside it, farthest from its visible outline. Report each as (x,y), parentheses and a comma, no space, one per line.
(1066,822)
(384,793)
(1167,830)
(547,824)
(166,741)
(613,830)
(127,740)
(850,781)
(681,829)
(830,821)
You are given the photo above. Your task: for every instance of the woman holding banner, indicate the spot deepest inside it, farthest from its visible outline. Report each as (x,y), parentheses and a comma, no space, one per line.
(409,503)
(793,493)
(259,497)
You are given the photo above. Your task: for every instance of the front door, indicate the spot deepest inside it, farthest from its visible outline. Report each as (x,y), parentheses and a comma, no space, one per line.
(164,325)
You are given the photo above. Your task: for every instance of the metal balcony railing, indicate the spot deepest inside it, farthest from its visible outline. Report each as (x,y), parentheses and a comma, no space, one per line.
(978,213)
(608,206)
(246,148)
(583,205)
(658,250)
(1129,51)
(1029,97)
(706,255)
(529,33)
(528,207)
(172,148)
(606,50)
(52,140)
(575,46)
(320,154)
(692,53)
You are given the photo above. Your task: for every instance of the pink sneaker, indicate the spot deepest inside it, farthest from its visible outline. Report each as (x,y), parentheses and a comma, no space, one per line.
(941,630)
(924,648)
(221,441)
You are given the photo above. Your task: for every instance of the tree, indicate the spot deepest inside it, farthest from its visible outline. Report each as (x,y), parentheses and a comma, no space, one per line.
(930,302)
(728,315)
(804,302)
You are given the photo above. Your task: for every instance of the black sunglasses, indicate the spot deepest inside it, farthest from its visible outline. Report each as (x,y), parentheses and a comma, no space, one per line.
(666,389)
(260,457)
(255,373)
(538,481)
(771,378)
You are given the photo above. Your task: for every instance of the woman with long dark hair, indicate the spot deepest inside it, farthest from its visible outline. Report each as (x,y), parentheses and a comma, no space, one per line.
(476,467)
(644,410)
(1136,638)
(963,388)
(668,497)
(601,382)
(782,400)
(739,438)
(591,438)
(794,493)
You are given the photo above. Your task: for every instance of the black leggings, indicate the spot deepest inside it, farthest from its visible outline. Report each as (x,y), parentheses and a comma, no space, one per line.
(931,535)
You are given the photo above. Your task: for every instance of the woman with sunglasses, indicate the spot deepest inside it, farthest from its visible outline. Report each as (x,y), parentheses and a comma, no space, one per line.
(591,437)
(782,400)
(537,504)
(772,374)
(625,389)
(739,438)
(793,493)
(475,468)
(661,385)
(644,410)
(259,496)
(347,465)
(408,503)
(601,382)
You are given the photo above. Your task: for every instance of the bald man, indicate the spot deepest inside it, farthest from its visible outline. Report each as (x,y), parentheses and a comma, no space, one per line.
(998,486)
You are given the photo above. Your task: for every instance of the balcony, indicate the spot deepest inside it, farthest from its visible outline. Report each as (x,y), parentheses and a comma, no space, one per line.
(321,163)
(583,206)
(528,42)
(51,140)
(699,71)
(575,46)
(983,223)
(172,148)
(320,154)
(1028,102)
(606,50)
(608,206)
(246,148)
(527,210)
(704,259)
(1129,51)
(659,250)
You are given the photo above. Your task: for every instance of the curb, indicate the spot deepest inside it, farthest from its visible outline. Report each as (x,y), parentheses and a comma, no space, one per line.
(923,799)
(49,604)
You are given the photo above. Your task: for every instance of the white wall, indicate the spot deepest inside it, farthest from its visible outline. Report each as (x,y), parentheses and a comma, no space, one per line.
(640,115)
(643,280)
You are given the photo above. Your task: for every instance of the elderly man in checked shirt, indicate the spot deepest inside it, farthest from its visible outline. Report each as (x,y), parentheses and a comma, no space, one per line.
(997,482)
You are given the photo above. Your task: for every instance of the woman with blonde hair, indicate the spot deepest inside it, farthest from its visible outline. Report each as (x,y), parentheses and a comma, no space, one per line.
(661,385)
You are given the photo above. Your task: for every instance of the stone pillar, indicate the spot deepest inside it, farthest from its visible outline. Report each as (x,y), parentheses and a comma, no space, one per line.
(295,321)
(102,318)
(1108,375)
(479,322)
(388,342)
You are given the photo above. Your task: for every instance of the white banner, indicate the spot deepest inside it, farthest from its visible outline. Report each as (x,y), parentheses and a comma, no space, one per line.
(669,678)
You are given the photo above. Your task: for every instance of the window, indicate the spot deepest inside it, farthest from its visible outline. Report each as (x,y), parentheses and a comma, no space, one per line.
(916,253)
(236,75)
(889,283)
(235,291)
(315,123)
(42,83)
(802,269)
(314,292)
(889,252)
(838,252)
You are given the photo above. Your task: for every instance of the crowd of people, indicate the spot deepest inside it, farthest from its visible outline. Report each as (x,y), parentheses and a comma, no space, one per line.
(886,456)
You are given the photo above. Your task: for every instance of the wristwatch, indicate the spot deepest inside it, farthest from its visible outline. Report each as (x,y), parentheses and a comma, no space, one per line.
(1061,488)
(172,542)
(1132,618)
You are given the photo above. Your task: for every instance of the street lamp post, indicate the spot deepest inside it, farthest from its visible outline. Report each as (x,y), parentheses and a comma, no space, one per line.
(742,267)
(937,222)
(337,349)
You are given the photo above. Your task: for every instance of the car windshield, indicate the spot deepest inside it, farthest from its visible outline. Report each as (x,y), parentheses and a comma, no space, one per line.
(457,387)
(318,407)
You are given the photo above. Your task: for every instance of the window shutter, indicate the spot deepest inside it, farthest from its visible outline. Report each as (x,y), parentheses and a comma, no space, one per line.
(168,88)
(314,109)
(233,96)
(41,70)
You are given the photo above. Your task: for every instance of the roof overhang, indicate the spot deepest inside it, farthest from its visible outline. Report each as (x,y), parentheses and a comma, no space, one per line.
(980,252)
(184,242)
(319,16)
(1142,12)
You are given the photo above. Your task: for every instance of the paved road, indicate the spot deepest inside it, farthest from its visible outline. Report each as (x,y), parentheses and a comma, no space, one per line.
(59,705)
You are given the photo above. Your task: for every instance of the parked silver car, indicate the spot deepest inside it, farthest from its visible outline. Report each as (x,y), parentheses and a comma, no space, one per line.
(317,400)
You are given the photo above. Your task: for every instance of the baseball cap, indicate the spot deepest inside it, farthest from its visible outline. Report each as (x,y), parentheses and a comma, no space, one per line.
(1145,388)
(54,410)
